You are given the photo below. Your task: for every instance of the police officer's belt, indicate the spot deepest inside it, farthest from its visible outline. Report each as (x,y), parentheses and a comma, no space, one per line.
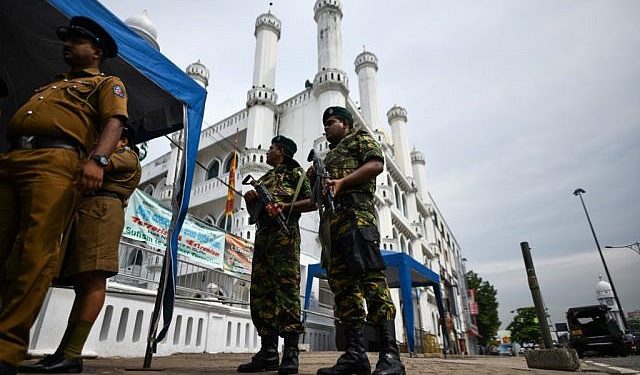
(351,200)
(106,193)
(33,142)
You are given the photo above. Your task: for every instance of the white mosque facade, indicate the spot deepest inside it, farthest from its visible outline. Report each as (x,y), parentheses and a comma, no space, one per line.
(409,219)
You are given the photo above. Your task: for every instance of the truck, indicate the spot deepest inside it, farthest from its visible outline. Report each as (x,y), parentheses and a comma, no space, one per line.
(593,329)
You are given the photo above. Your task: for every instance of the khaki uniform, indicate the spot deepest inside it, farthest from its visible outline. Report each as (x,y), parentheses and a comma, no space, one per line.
(99,219)
(275,273)
(38,191)
(355,209)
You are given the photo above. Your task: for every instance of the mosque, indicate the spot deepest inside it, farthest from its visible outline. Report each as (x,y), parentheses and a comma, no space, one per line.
(409,219)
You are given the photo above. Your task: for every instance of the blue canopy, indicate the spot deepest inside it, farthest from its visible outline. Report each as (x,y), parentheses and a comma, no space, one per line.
(162,98)
(402,272)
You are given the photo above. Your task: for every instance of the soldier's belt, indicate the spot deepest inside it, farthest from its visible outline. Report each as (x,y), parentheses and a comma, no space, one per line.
(34,142)
(350,200)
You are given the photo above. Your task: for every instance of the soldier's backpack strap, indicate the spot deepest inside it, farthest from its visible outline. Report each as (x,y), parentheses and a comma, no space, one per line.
(295,195)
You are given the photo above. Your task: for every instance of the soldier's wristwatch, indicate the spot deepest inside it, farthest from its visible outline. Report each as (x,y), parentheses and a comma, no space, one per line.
(102,160)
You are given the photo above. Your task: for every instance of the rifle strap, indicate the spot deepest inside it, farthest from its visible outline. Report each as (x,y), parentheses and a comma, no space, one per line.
(295,195)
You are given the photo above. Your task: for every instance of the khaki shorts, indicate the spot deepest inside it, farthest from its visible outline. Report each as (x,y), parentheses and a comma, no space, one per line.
(93,239)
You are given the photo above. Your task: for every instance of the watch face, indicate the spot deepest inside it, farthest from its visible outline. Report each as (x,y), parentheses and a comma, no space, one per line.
(101,159)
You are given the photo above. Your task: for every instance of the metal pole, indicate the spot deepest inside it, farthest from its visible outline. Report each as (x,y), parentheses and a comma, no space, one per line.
(579,193)
(635,247)
(536,295)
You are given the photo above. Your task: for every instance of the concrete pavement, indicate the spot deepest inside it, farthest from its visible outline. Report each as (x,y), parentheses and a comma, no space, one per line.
(309,362)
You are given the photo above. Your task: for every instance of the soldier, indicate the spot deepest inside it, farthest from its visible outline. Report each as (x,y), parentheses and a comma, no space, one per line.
(355,264)
(91,256)
(275,274)
(49,137)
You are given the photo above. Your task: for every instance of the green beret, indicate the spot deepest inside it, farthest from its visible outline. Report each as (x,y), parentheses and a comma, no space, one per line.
(338,111)
(288,145)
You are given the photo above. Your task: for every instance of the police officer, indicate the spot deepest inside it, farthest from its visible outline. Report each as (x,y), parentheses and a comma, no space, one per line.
(91,256)
(355,267)
(275,274)
(49,137)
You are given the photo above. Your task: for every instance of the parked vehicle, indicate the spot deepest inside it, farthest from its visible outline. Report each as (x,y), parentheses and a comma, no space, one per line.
(593,329)
(505,349)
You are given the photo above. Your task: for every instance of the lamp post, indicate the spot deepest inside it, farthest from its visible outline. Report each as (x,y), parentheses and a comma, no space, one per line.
(578,192)
(635,247)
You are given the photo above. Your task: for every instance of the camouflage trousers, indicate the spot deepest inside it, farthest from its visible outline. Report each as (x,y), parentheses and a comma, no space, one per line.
(275,282)
(351,291)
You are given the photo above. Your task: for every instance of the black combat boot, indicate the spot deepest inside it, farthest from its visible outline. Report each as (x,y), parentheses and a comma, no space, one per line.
(266,359)
(289,364)
(354,360)
(389,359)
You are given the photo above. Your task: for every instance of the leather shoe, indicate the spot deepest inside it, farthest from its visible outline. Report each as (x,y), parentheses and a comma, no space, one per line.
(60,366)
(7,369)
(37,367)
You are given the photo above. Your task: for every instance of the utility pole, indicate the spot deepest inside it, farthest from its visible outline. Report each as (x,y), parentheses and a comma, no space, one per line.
(536,295)
(578,192)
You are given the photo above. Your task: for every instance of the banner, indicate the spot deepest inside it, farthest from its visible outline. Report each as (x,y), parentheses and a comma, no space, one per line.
(148,221)
(238,255)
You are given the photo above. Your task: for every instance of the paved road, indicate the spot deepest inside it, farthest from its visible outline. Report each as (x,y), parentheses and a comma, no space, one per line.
(225,364)
(631,362)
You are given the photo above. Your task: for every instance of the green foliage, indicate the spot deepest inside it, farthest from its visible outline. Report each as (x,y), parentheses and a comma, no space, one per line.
(525,327)
(487,318)
(634,325)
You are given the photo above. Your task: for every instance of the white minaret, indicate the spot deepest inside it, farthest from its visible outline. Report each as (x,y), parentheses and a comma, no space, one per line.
(262,98)
(418,165)
(331,83)
(143,26)
(397,117)
(367,69)
(604,294)
(199,72)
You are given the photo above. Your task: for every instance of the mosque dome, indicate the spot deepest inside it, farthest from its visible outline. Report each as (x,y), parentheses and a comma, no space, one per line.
(143,26)
(199,72)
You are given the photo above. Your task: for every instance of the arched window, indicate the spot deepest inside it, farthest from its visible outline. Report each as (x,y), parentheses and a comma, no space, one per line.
(149,189)
(135,258)
(213,170)
(227,164)
(224,223)
(397,194)
(404,205)
(209,220)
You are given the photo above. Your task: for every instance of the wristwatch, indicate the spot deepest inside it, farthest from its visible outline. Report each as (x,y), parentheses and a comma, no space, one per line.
(102,160)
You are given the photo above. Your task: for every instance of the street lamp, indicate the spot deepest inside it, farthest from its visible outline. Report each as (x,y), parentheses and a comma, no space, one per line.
(578,192)
(633,246)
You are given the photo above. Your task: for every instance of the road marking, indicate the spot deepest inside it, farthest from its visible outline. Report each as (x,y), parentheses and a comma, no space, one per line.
(618,370)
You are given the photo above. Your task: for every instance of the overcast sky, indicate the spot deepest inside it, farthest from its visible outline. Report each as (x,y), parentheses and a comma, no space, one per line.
(514,103)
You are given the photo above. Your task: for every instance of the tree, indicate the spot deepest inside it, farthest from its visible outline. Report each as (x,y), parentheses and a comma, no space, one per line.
(525,327)
(634,325)
(487,318)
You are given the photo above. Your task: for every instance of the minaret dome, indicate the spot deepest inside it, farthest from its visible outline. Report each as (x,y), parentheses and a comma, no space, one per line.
(366,59)
(268,21)
(143,26)
(397,113)
(199,72)
(417,157)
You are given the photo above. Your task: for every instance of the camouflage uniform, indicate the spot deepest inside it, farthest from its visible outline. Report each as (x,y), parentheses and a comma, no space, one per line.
(275,275)
(350,291)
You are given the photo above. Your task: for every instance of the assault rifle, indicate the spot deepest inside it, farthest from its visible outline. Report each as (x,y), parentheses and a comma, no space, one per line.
(321,194)
(266,199)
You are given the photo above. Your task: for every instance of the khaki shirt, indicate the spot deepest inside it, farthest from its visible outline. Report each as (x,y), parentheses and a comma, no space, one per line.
(122,176)
(74,106)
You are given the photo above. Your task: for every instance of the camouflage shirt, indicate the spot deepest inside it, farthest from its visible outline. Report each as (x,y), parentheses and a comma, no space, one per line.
(349,154)
(282,182)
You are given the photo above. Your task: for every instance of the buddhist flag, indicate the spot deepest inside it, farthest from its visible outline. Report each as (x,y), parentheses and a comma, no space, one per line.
(228,211)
